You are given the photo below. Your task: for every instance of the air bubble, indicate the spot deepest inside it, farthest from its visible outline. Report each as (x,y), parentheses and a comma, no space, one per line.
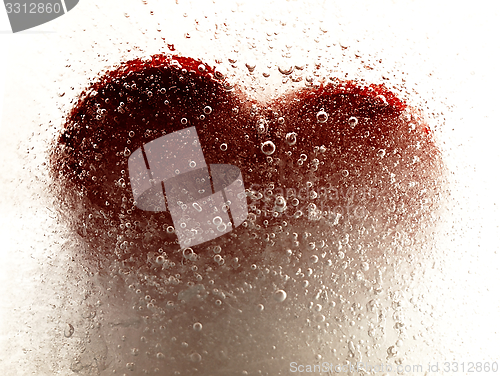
(382,100)
(261,126)
(197,207)
(69,330)
(268,147)
(219,73)
(197,326)
(345,173)
(189,254)
(381,153)
(130,366)
(195,357)
(192,164)
(286,69)
(353,121)
(223,147)
(207,110)
(184,121)
(280,296)
(322,116)
(250,67)
(291,138)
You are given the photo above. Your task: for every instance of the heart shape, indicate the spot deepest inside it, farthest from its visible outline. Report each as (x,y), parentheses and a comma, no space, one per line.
(339,154)
(336,177)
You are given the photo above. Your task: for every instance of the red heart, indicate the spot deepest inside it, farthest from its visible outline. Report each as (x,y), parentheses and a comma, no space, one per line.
(366,173)
(340,154)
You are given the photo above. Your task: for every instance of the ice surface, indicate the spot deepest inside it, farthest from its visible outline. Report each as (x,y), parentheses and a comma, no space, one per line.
(443,306)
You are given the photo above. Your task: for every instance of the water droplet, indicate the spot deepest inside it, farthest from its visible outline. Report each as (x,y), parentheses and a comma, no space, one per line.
(280,296)
(353,121)
(268,147)
(207,110)
(197,326)
(223,147)
(291,138)
(322,116)
(69,330)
